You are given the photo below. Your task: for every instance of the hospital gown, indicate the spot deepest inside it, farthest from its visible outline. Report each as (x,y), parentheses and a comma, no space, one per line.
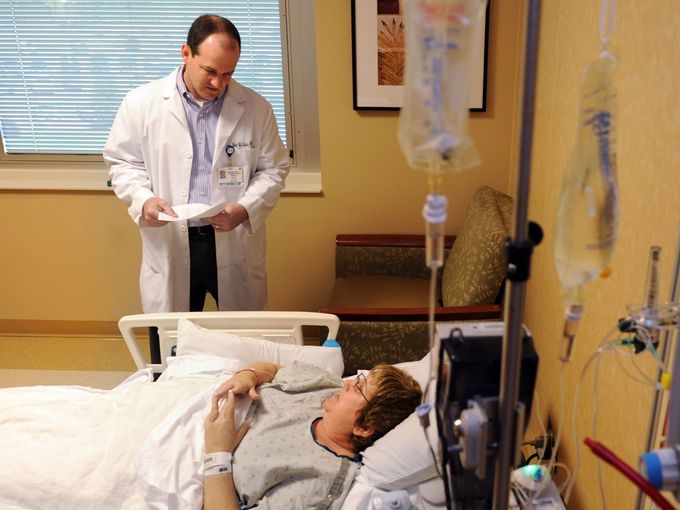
(278,464)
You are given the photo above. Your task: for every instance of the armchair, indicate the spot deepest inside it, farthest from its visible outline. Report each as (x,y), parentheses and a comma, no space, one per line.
(382,284)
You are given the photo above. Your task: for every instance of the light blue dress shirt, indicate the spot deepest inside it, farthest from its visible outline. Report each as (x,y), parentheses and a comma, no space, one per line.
(202,119)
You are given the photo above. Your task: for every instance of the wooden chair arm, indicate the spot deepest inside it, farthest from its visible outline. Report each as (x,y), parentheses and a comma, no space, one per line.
(387,240)
(450,313)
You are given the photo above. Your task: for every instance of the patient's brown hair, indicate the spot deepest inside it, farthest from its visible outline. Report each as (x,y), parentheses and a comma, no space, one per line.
(395,396)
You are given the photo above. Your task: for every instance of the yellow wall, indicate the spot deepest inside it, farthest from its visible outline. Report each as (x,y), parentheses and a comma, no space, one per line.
(647,131)
(75,256)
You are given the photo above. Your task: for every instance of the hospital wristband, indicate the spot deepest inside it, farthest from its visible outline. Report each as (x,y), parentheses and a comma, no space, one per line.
(217,463)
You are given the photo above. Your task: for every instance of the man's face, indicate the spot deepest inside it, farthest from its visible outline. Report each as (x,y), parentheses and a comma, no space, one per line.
(208,72)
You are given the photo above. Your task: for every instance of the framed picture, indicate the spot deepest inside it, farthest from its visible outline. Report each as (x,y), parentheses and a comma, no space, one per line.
(378,58)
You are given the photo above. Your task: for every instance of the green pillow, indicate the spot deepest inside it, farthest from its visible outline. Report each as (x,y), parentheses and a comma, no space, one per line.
(476,266)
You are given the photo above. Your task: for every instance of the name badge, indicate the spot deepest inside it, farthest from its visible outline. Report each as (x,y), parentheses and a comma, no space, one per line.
(230,176)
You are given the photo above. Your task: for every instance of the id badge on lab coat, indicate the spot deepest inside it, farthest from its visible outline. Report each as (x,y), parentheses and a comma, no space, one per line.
(230,176)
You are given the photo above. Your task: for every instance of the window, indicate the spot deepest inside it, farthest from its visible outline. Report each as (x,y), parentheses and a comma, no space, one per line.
(67,65)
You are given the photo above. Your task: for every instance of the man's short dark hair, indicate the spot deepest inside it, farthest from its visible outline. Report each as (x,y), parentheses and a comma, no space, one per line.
(208,24)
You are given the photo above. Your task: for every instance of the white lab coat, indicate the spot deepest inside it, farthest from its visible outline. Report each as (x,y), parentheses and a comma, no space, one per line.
(149,154)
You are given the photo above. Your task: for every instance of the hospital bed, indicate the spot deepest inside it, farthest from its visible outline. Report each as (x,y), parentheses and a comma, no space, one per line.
(140,444)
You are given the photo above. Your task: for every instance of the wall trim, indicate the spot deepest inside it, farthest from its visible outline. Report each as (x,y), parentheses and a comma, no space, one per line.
(21,327)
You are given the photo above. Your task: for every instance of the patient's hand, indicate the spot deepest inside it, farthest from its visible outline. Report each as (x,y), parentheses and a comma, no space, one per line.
(241,383)
(221,434)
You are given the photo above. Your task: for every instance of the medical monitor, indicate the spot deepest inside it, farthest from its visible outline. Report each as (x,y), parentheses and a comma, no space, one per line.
(470,360)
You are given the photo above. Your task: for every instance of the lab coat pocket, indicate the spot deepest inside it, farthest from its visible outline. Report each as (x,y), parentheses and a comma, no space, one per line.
(243,158)
(153,287)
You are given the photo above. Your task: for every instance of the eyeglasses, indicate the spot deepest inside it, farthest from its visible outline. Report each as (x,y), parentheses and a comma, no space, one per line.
(360,379)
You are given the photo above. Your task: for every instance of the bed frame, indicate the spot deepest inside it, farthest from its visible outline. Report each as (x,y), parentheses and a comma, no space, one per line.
(283,327)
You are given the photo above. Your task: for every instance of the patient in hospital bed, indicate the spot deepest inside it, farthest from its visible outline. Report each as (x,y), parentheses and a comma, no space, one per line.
(300,446)
(141,445)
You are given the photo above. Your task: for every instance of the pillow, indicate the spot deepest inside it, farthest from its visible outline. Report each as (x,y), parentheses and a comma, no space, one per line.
(193,339)
(405,455)
(475,268)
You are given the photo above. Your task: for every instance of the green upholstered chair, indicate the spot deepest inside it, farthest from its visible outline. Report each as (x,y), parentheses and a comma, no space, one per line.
(381,290)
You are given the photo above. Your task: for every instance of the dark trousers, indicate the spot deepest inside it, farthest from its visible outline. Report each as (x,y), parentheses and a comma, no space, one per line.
(202,280)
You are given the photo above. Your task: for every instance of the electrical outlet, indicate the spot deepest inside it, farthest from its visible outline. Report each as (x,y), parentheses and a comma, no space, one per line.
(547,450)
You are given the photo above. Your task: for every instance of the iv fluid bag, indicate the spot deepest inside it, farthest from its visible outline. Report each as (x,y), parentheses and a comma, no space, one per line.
(588,212)
(440,41)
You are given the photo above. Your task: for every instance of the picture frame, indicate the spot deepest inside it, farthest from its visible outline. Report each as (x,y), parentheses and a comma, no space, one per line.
(368,93)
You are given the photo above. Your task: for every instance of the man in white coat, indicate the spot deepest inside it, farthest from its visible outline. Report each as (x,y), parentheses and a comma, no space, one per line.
(198,136)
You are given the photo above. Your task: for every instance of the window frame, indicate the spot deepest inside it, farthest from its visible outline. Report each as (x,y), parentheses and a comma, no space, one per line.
(88,171)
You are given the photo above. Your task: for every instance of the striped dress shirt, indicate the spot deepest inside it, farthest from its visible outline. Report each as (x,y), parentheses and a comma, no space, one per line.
(202,118)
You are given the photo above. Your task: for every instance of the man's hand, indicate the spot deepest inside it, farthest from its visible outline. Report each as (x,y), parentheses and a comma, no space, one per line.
(229,218)
(150,211)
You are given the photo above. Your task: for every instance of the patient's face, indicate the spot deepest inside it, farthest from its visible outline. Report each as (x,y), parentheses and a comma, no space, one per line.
(344,407)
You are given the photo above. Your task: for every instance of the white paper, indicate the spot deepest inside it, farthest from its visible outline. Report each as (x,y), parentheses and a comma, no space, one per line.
(189,211)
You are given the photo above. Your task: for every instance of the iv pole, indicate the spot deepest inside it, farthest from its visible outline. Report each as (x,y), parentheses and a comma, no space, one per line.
(657,405)
(519,256)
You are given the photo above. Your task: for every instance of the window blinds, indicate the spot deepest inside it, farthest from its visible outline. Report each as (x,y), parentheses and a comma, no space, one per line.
(66,64)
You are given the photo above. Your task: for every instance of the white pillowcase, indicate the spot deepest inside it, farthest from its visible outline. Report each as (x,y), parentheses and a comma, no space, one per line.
(193,339)
(403,457)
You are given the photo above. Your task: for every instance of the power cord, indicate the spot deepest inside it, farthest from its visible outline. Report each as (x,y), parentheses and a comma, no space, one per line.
(543,446)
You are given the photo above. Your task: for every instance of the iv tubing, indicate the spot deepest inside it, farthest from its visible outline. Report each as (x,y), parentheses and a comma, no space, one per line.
(434,181)
(646,381)
(574,412)
(431,329)
(604,347)
(593,427)
(611,458)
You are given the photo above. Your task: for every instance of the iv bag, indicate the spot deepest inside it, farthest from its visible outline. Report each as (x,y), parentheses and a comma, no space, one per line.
(588,212)
(440,41)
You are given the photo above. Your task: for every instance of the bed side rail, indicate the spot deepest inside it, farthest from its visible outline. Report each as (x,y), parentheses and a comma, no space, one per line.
(285,327)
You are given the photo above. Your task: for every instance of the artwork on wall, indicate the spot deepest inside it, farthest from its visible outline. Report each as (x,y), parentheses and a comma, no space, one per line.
(379,60)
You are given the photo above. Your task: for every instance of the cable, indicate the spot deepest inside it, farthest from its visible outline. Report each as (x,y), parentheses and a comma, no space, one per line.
(537,408)
(611,458)
(566,468)
(531,457)
(558,438)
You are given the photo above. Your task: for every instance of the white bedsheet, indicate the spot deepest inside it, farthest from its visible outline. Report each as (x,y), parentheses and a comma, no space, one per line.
(93,436)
